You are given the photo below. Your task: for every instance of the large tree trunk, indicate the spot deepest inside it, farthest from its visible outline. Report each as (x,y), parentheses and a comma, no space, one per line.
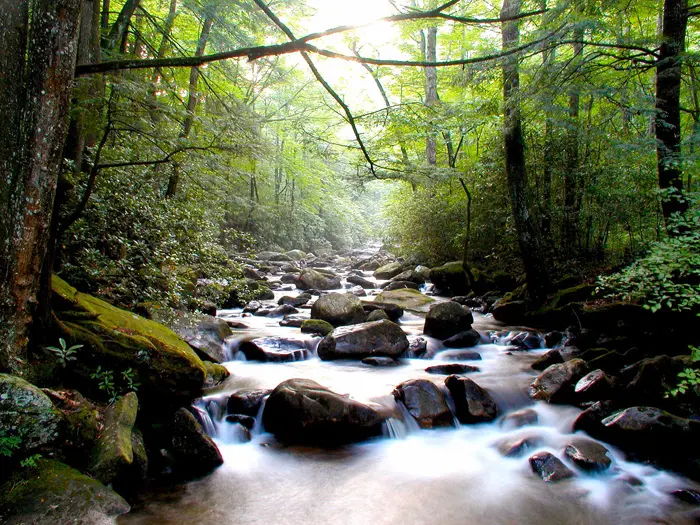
(431,96)
(538,281)
(119,28)
(174,180)
(668,115)
(28,186)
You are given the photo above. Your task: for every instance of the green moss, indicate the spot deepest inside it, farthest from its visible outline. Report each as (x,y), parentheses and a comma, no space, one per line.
(316,326)
(165,365)
(408,299)
(52,493)
(216,373)
(574,294)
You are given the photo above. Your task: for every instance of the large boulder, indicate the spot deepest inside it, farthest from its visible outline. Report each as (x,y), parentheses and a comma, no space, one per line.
(113,453)
(361,281)
(194,451)
(465,339)
(388,271)
(473,404)
(53,493)
(247,402)
(409,276)
(338,309)
(393,312)
(378,338)
(166,367)
(407,299)
(316,326)
(302,411)
(450,279)
(447,319)
(425,402)
(314,280)
(556,384)
(296,255)
(28,414)
(205,333)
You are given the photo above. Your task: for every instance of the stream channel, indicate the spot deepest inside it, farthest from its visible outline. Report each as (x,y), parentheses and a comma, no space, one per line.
(410,476)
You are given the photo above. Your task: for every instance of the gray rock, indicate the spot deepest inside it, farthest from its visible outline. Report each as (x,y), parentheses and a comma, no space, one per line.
(282,310)
(595,385)
(520,418)
(302,411)
(195,452)
(549,467)
(425,402)
(274,350)
(446,319)
(338,309)
(377,315)
(361,281)
(473,404)
(380,361)
(378,338)
(316,326)
(410,276)
(313,279)
(553,357)
(588,455)
(463,339)
(556,383)
(451,369)
(246,402)
(393,311)
(299,300)
(388,271)
(399,285)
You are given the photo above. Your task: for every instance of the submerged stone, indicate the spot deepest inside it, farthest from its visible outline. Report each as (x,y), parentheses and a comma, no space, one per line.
(425,402)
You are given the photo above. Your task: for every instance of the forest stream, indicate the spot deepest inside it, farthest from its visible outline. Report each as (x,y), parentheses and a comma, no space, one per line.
(410,475)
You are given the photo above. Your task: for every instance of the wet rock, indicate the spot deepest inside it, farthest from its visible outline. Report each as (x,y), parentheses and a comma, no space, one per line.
(252,307)
(294,321)
(515,446)
(53,493)
(274,350)
(524,340)
(463,339)
(393,311)
(417,347)
(361,281)
(520,418)
(194,451)
(236,325)
(451,369)
(588,455)
(246,421)
(590,420)
(378,338)
(549,467)
(377,315)
(216,373)
(316,326)
(409,276)
(447,319)
(263,312)
(338,309)
(296,255)
(407,299)
(425,402)
(313,279)
(473,404)
(302,411)
(246,402)
(252,273)
(282,310)
(595,385)
(380,361)
(27,413)
(556,383)
(650,428)
(450,279)
(289,278)
(553,357)
(204,333)
(400,285)
(113,453)
(358,291)
(299,300)
(552,339)
(388,271)
(692,497)
(460,355)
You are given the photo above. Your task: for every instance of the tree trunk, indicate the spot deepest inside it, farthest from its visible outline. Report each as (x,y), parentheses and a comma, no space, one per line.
(174,180)
(118,31)
(40,124)
(668,114)
(538,281)
(431,96)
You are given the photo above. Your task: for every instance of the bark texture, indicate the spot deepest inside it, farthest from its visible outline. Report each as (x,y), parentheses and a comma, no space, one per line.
(538,281)
(39,123)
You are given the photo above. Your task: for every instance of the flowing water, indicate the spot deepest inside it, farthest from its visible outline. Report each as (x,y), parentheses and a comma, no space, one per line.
(411,476)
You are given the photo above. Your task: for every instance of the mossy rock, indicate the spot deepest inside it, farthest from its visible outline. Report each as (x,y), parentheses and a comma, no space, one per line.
(450,279)
(408,299)
(316,326)
(115,339)
(216,373)
(28,414)
(53,493)
(388,271)
(575,294)
(113,453)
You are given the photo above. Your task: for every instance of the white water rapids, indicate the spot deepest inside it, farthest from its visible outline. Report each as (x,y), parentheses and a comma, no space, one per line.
(411,476)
